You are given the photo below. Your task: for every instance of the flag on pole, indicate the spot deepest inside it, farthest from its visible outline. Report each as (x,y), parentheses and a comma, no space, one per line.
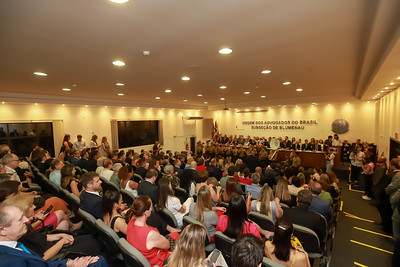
(215,133)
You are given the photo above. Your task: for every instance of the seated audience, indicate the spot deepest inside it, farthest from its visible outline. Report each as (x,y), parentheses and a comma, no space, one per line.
(282,192)
(247,251)
(147,239)
(190,248)
(230,190)
(266,204)
(203,178)
(203,211)
(295,187)
(187,182)
(114,178)
(112,204)
(165,199)
(68,180)
(125,174)
(55,175)
(319,205)
(281,249)
(169,173)
(106,172)
(245,179)
(302,216)
(148,187)
(12,228)
(91,200)
(236,222)
(254,188)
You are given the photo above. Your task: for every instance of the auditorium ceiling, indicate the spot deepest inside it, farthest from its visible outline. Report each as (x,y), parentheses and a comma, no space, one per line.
(334,50)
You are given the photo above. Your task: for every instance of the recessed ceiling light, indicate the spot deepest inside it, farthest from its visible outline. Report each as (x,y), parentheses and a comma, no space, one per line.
(386,88)
(284,106)
(205,102)
(398,78)
(106,106)
(63,105)
(222,87)
(246,93)
(185,78)
(199,95)
(157,97)
(378,94)
(36,104)
(184,100)
(168,91)
(299,90)
(368,101)
(314,103)
(286,83)
(38,73)
(120,94)
(263,96)
(381,91)
(225,51)
(347,103)
(298,106)
(119,63)
(119,1)
(265,71)
(123,107)
(85,106)
(392,83)
(3,102)
(222,98)
(66,89)
(120,84)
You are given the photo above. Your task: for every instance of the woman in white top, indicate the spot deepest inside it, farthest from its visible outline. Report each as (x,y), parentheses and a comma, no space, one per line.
(266,204)
(93,141)
(330,157)
(125,174)
(165,199)
(357,160)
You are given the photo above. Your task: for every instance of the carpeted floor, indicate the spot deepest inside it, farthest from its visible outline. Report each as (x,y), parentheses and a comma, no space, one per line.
(359,239)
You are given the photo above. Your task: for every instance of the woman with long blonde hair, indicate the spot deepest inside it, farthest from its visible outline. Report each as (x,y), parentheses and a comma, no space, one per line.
(282,192)
(266,204)
(189,250)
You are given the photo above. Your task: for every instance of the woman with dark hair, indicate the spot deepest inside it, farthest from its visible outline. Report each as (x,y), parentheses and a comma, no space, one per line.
(112,202)
(147,239)
(165,199)
(68,180)
(281,249)
(66,144)
(187,182)
(125,174)
(230,189)
(235,222)
(9,189)
(190,250)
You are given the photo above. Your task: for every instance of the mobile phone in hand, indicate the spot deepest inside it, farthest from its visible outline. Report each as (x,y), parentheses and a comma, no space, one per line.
(213,259)
(48,210)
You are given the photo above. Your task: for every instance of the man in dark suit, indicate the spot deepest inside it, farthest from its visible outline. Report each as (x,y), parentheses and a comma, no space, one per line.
(147,187)
(302,216)
(75,159)
(91,200)
(13,253)
(251,161)
(217,171)
(177,167)
(141,170)
(91,164)
(83,160)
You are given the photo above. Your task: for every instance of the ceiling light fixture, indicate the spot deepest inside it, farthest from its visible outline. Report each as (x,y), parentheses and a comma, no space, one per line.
(205,102)
(381,91)
(398,78)
(386,88)
(120,84)
(286,83)
(185,78)
(38,73)
(120,94)
(392,83)
(118,63)
(119,1)
(199,95)
(225,51)
(36,104)
(222,98)
(3,102)
(66,89)
(265,71)
(63,105)
(246,93)
(314,103)
(263,96)
(157,97)
(299,90)
(85,106)
(222,87)
(168,91)
(184,100)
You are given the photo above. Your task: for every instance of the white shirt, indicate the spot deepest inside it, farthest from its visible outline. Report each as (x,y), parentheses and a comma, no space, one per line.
(14,173)
(10,244)
(105,173)
(94,193)
(78,145)
(174,205)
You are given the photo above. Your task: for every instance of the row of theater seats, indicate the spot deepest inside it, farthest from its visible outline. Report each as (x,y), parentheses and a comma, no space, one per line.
(122,251)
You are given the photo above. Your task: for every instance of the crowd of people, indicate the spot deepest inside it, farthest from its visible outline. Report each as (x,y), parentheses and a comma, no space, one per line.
(221,183)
